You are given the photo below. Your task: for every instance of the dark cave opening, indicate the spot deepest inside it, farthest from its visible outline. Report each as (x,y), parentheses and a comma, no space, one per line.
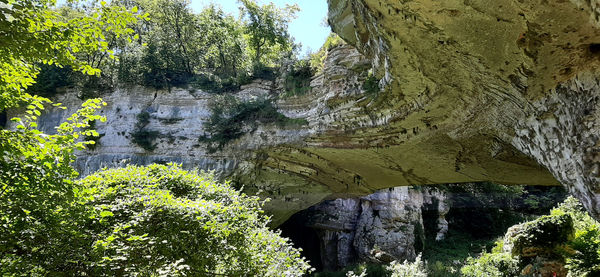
(296,229)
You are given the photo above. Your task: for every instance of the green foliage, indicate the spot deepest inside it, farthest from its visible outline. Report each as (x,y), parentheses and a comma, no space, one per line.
(142,137)
(266,28)
(369,270)
(408,269)
(215,84)
(554,234)
(446,257)
(495,264)
(584,258)
(546,231)
(38,35)
(210,50)
(49,79)
(317,60)
(230,119)
(36,191)
(163,220)
(297,80)
(92,137)
(371,85)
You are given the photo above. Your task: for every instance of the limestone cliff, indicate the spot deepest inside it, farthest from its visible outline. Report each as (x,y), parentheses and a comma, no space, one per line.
(479,90)
(502,91)
(382,227)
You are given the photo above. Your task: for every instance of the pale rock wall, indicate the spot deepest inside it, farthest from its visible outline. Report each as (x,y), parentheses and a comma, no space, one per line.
(381,227)
(500,77)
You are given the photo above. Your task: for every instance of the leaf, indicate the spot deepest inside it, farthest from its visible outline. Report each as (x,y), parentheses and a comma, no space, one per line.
(106,214)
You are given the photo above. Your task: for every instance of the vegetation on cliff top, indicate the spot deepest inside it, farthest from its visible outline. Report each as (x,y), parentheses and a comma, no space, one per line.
(210,50)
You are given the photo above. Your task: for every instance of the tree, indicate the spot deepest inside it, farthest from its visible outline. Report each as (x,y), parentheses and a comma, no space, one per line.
(223,43)
(36,177)
(35,34)
(267,27)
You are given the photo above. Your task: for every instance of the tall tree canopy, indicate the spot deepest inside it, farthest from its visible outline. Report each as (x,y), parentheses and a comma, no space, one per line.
(267,27)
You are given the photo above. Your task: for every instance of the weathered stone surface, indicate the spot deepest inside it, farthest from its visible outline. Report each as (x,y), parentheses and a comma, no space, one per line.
(535,244)
(381,227)
(477,84)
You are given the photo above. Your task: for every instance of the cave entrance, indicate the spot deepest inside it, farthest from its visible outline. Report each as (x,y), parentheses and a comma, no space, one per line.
(296,229)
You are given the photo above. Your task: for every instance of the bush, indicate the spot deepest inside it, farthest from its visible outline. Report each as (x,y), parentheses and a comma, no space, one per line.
(163,220)
(49,79)
(370,270)
(408,269)
(215,84)
(91,135)
(317,60)
(495,264)
(584,259)
(155,221)
(371,85)
(297,81)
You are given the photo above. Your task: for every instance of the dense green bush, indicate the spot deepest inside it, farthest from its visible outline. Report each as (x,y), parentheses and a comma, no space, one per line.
(161,220)
(567,234)
(408,269)
(371,85)
(39,234)
(317,60)
(584,259)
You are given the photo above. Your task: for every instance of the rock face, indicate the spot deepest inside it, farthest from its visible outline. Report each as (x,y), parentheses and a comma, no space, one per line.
(179,117)
(381,227)
(486,90)
(502,91)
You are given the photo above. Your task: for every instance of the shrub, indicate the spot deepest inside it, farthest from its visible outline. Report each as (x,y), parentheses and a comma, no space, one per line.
(215,84)
(297,81)
(49,79)
(317,60)
(408,269)
(495,264)
(371,85)
(163,220)
(91,135)
(370,270)
(584,259)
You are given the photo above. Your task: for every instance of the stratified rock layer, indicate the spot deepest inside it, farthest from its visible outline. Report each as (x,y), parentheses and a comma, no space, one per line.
(476,87)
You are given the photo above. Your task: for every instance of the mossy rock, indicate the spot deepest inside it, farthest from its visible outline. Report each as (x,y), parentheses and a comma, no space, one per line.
(539,236)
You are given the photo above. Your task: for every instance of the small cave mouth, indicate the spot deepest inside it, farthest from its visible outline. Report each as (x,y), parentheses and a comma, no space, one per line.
(304,237)
(594,48)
